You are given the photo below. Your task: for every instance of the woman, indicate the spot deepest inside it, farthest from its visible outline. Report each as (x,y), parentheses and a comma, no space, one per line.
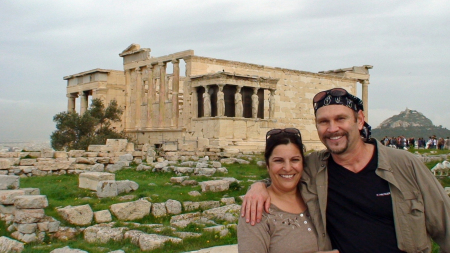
(288,227)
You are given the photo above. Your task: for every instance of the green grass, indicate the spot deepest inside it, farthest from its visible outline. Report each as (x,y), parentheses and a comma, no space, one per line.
(63,190)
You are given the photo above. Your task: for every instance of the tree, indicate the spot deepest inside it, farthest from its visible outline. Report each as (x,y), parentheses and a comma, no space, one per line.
(76,131)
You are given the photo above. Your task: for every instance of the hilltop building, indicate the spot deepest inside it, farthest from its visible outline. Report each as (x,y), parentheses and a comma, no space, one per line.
(217,106)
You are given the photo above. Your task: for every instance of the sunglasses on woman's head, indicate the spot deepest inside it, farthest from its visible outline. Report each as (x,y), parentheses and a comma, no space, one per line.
(285,130)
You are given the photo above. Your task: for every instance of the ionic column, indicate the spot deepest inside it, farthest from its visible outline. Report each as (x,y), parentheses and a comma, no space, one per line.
(365,98)
(84,102)
(162,91)
(71,102)
(150,96)
(138,93)
(175,91)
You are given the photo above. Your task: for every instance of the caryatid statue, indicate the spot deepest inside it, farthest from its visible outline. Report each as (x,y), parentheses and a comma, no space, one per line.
(239,109)
(271,104)
(220,102)
(206,103)
(255,103)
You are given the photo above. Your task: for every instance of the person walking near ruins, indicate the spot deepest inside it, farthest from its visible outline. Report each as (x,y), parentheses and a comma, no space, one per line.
(288,227)
(365,196)
(447,143)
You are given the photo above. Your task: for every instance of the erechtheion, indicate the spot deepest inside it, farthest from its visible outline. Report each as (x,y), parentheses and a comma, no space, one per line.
(217,106)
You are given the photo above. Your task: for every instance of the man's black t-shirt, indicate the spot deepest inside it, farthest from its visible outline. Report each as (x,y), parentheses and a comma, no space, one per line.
(359,210)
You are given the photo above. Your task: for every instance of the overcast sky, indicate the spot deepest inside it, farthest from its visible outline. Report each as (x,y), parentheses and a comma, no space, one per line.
(407,42)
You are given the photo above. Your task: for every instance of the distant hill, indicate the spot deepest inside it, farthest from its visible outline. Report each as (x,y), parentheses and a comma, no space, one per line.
(409,123)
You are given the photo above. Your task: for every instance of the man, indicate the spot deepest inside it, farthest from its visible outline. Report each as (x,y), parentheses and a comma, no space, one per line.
(363,196)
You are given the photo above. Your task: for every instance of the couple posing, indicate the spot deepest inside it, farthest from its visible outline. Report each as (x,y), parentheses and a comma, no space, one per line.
(355,196)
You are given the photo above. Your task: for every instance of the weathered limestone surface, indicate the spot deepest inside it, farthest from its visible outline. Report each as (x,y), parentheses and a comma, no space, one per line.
(7,196)
(89,180)
(9,182)
(28,215)
(9,245)
(159,209)
(67,249)
(153,241)
(131,210)
(102,216)
(173,206)
(103,233)
(215,185)
(31,201)
(77,215)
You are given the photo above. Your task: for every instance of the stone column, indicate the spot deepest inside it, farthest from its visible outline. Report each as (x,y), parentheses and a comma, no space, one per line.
(271,104)
(220,101)
(365,98)
(127,113)
(150,96)
(175,91)
(71,102)
(138,97)
(84,102)
(255,103)
(162,92)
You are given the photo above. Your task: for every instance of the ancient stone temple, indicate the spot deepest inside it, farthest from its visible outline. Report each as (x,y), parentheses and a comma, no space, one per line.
(217,106)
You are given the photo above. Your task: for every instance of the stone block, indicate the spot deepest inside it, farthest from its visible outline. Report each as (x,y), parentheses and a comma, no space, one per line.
(102,216)
(67,249)
(31,202)
(126,157)
(10,245)
(215,185)
(5,163)
(228,201)
(7,196)
(190,206)
(97,168)
(178,180)
(27,228)
(84,160)
(76,153)
(60,154)
(133,235)
(97,148)
(208,204)
(204,171)
(28,215)
(154,241)
(173,206)
(9,182)
(117,145)
(103,233)
(189,182)
(107,189)
(47,153)
(27,162)
(91,154)
(77,215)
(103,160)
(89,180)
(129,147)
(159,209)
(131,210)
(7,209)
(126,186)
